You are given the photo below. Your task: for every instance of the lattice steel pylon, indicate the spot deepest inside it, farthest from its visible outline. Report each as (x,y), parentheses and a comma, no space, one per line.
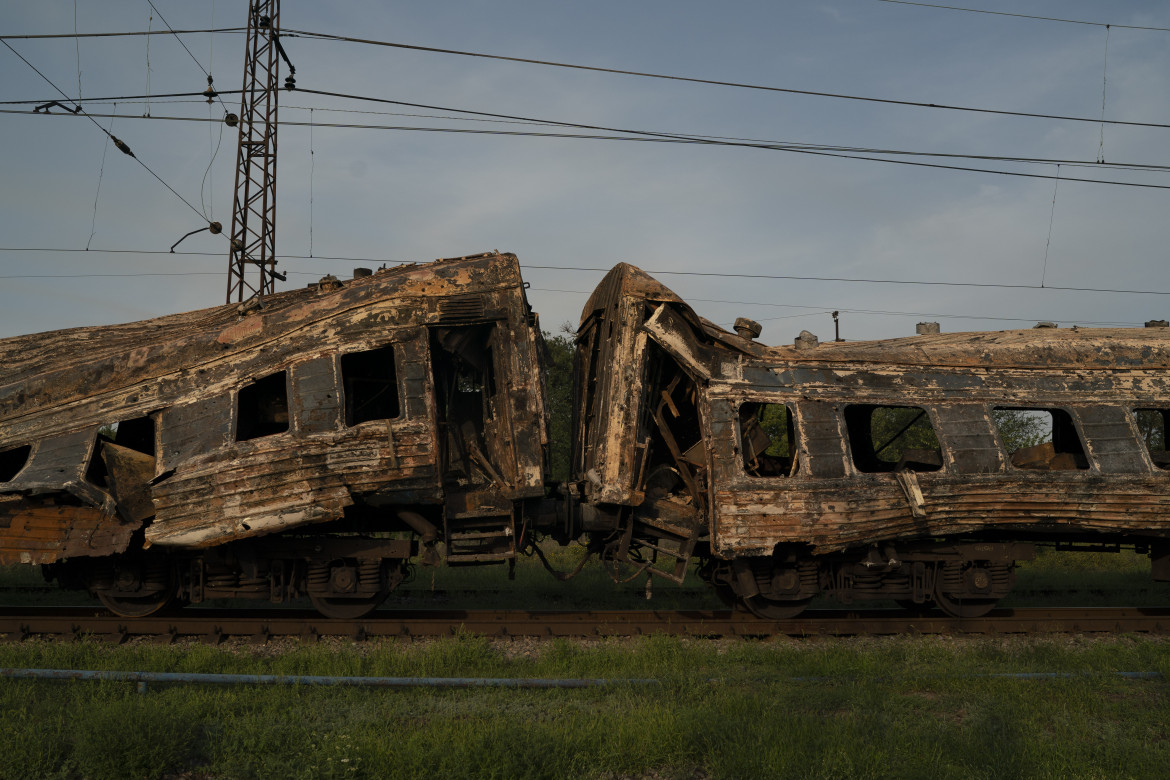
(253,237)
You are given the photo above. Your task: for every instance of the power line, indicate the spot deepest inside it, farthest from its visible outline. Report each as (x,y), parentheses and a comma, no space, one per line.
(117,142)
(121,34)
(791,277)
(1027,16)
(656,137)
(642,74)
(712,82)
(659,272)
(815,310)
(211,91)
(675,134)
(123,98)
(825,152)
(177,38)
(143,273)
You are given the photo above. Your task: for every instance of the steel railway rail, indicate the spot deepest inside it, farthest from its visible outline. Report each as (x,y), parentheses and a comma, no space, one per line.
(260,625)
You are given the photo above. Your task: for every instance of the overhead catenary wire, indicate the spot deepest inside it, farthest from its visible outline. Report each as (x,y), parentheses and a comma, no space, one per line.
(816,310)
(712,82)
(121,146)
(822,310)
(125,98)
(122,34)
(657,272)
(489,117)
(206,72)
(177,37)
(288,33)
(656,137)
(1027,16)
(667,136)
(135,273)
(98,192)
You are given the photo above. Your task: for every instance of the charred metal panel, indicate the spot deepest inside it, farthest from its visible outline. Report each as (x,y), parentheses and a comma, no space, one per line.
(838,515)
(39,530)
(189,430)
(462,308)
(58,464)
(316,406)
(129,475)
(968,438)
(415,376)
(823,439)
(56,461)
(1111,439)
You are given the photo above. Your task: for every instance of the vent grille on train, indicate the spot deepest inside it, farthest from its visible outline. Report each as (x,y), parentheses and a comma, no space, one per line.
(463,307)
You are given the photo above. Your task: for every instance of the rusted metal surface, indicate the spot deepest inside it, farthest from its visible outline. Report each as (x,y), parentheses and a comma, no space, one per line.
(414,389)
(38,530)
(660,389)
(315,444)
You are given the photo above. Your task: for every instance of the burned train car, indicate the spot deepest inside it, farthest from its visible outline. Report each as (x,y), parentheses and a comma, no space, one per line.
(313,444)
(888,469)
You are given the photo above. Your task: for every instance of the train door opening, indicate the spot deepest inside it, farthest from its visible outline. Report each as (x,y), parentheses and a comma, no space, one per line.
(475,457)
(672,474)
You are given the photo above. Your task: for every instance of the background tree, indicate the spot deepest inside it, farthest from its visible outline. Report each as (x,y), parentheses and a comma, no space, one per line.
(1020,428)
(558,366)
(1152,427)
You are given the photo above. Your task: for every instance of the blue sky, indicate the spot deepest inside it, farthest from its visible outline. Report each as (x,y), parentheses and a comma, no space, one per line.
(395,195)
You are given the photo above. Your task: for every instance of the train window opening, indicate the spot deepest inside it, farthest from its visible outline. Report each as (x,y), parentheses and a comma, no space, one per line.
(370,381)
(1040,439)
(262,407)
(13,461)
(768,436)
(892,438)
(1152,426)
(136,434)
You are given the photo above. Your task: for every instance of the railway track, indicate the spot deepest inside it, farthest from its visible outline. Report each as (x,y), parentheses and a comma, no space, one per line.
(260,625)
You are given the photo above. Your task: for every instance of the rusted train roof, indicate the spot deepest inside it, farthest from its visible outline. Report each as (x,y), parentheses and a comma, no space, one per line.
(47,370)
(1039,348)
(626,279)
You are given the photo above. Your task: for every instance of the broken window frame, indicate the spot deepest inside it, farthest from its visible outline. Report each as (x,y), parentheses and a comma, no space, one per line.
(790,465)
(265,428)
(10,456)
(1159,457)
(349,407)
(1069,426)
(95,470)
(864,451)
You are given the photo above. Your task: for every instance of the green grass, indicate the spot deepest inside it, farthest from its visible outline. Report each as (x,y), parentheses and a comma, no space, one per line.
(867,708)
(1087,579)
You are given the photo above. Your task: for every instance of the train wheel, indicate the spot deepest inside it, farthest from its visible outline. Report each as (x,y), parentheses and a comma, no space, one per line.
(771,609)
(134,588)
(343,608)
(962,607)
(137,606)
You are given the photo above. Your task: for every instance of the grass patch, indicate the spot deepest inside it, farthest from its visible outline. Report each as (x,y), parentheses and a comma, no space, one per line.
(868,708)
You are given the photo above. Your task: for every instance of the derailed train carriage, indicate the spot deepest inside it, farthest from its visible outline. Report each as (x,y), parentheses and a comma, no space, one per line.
(311,446)
(319,444)
(861,470)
